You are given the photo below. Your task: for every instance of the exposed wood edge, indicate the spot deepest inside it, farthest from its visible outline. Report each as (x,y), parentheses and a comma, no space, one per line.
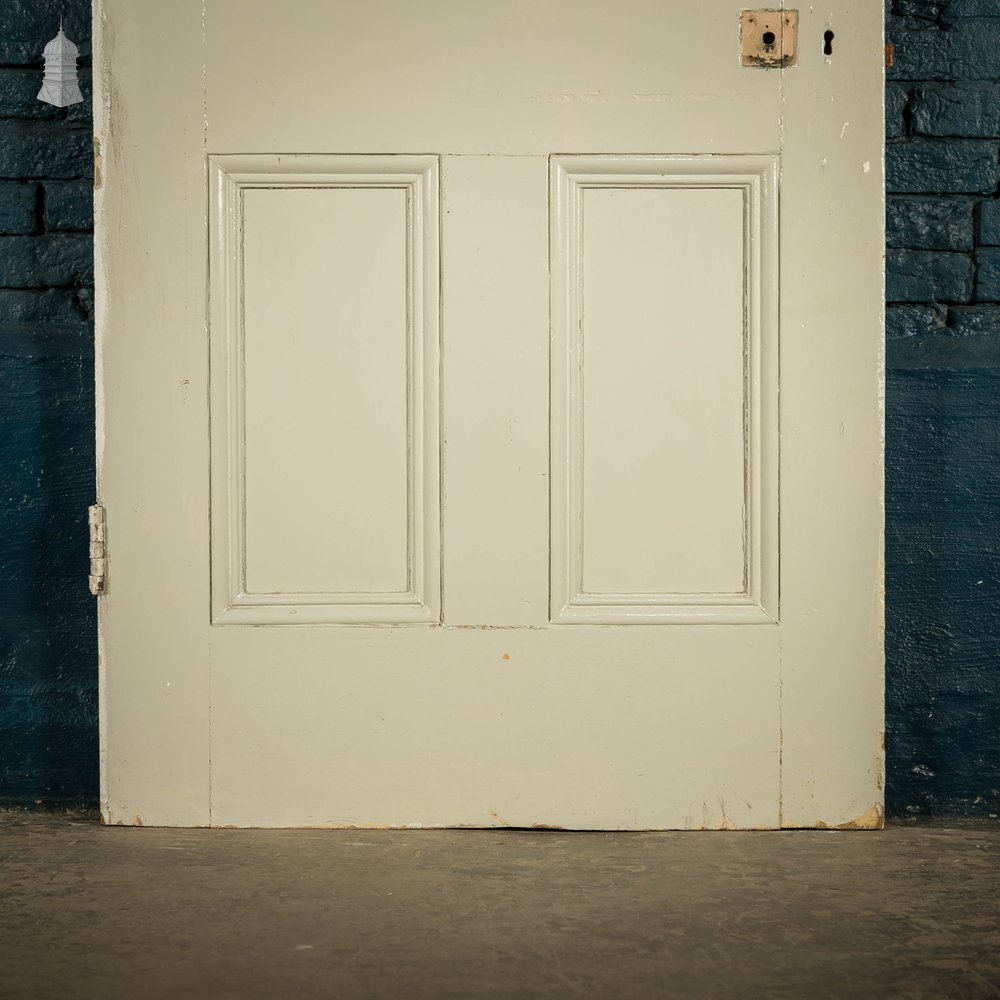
(871,819)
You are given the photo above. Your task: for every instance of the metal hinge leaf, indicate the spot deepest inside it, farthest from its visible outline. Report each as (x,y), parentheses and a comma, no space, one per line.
(98,548)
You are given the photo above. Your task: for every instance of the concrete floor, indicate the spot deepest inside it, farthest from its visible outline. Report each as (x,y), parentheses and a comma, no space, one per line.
(94,912)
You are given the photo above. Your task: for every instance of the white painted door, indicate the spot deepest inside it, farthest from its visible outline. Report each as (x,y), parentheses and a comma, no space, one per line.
(490,415)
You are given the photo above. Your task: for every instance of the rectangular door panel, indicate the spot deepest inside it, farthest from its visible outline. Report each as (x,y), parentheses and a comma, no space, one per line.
(324,287)
(519,77)
(664,389)
(583,728)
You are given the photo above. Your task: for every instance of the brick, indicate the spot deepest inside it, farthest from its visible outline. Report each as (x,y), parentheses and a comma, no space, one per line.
(927,10)
(19,94)
(53,323)
(988,276)
(969,110)
(31,307)
(29,24)
(18,207)
(925,276)
(973,320)
(83,113)
(934,166)
(46,261)
(943,350)
(914,321)
(989,223)
(959,9)
(929,223)
(974,48)
(969,51)
(69,205)
(896,99)
(921,54)
(19,97)
(44,149)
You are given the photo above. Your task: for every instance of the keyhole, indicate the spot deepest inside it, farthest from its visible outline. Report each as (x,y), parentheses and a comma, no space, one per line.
(828,42)
(768,38)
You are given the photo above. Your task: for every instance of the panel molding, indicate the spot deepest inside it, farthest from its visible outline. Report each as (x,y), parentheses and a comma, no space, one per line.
(229,177)
(757,177)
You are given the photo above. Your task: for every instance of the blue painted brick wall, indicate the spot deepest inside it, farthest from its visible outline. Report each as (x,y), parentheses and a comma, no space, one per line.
(943,414)
(48,646)
(943,408)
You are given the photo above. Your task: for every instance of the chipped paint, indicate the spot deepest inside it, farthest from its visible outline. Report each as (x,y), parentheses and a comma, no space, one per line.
(873,819)
(724,822)
(98,165)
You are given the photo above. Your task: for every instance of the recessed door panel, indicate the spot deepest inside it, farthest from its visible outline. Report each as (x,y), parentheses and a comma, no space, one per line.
(662,352)
(324,307)
(664,389)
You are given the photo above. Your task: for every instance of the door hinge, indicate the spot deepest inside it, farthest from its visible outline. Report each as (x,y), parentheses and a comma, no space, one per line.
(98,549)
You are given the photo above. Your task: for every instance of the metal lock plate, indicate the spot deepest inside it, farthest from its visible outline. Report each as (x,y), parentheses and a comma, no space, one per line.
(768,37)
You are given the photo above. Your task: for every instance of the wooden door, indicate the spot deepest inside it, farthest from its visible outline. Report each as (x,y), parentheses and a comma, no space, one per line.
(490,425)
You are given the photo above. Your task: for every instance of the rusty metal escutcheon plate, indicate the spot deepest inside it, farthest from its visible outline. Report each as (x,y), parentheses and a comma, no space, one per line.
(768,38)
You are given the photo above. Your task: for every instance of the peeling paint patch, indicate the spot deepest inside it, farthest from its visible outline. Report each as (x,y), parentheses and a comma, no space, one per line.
(873,819)
(98,165)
